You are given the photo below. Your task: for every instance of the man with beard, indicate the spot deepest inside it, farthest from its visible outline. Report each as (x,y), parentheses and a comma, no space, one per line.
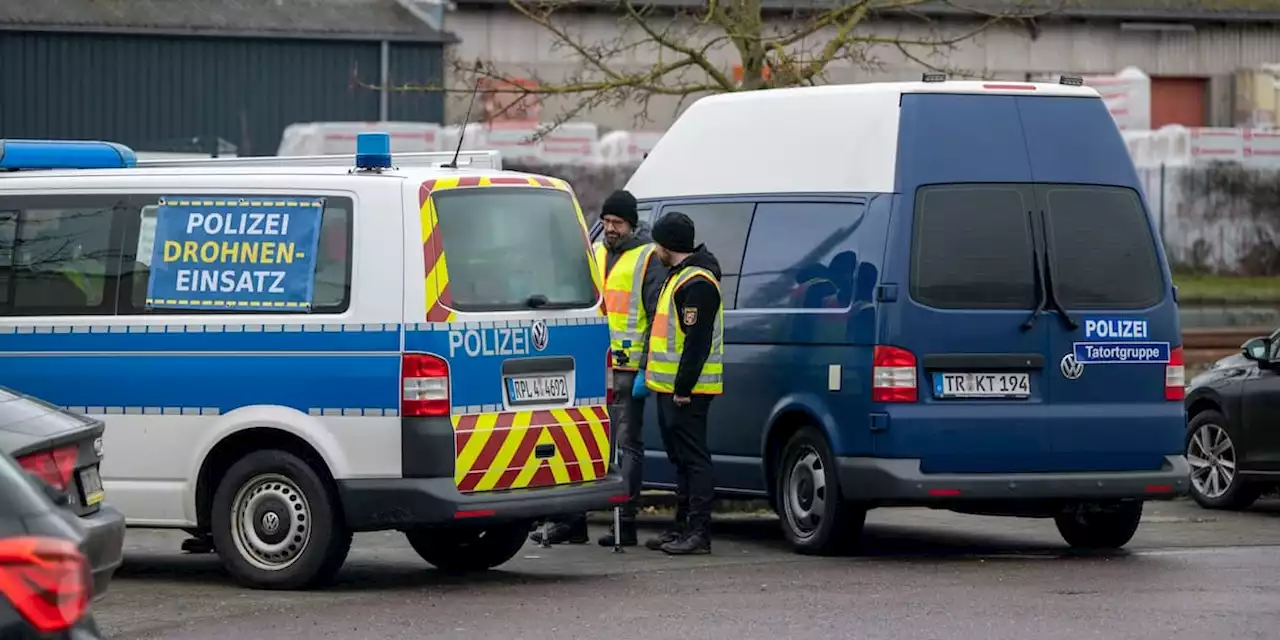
(632,279)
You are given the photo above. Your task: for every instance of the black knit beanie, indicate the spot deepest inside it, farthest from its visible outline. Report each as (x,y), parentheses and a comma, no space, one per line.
(675,233)
(621,204)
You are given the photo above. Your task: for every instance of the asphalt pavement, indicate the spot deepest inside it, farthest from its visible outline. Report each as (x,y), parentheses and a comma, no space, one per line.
(921,574)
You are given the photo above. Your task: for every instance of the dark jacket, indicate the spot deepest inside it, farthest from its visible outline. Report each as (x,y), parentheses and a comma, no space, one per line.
(703,298)
(655,274)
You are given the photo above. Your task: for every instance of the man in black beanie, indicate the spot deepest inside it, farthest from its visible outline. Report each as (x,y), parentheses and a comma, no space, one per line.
(685,368)
(625,256)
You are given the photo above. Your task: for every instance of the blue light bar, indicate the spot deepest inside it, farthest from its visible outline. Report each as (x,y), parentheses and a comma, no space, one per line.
(64,154)
(373,151)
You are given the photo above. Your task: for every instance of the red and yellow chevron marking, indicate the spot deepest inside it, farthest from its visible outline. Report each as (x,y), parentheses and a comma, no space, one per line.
(495,451)
(438,297)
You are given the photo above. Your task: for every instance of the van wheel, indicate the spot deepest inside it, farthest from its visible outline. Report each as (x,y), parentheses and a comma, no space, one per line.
(1216,482)
(815,517)
(1093,526)
(275,523)
(468,550)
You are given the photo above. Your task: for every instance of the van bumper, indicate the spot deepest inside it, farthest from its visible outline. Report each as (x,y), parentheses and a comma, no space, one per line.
(899,481)
(377,504)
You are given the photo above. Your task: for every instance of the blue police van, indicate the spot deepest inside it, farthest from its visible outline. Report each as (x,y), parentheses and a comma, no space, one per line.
(937,293)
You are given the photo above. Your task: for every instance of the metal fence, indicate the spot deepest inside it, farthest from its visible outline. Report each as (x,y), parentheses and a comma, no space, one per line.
(1218,218)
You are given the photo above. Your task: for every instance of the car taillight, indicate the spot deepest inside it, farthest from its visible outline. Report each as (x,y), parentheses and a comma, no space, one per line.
(425,383)
(893,375)
(608,377)
(1175,376)
(53,467)
(46,580)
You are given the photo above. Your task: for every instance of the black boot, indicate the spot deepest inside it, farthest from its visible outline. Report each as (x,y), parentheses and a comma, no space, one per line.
(693,544)
(668,536)
(675,532)
(628,536)
(573,532)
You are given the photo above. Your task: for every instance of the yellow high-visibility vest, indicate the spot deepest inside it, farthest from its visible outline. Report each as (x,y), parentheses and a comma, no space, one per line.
(624,302)
(666,340)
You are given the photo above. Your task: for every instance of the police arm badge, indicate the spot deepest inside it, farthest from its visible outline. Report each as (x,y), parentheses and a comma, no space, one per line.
(689,316)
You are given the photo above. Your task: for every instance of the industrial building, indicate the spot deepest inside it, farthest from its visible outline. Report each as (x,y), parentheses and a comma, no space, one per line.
(1199,54)
(205,75)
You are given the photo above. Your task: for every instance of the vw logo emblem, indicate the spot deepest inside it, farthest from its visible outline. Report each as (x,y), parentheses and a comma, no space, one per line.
(270,522)
(1071,369)
(539,335)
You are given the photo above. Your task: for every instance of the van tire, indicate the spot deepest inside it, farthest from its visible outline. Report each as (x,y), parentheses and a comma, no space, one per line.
(1086,527)
(279,491)
(466,550)
(1241,493)
(830,528)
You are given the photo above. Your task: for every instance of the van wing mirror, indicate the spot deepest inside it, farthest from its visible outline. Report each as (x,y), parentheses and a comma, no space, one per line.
(1257,349)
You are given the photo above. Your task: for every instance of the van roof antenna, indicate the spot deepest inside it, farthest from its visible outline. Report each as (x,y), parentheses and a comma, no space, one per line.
(462,132)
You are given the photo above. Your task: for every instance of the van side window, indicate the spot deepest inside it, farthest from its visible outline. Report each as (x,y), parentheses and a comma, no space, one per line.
(798,256)
(8,235)
(1104,254)
(723,228)
(330,294)
(644,213)
(56,255)
(973,247)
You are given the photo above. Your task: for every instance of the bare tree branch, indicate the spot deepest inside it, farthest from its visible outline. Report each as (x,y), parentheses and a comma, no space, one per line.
(721,46)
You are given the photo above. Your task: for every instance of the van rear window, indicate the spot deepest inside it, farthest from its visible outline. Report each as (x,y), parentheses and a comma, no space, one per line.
(972,247)
(511,248)
(1104,255)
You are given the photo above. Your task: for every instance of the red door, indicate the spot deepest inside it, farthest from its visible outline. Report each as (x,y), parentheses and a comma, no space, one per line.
(1178,101)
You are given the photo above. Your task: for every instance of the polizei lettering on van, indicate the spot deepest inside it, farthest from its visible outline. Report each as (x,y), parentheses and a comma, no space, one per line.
(1115,329)
(498,341)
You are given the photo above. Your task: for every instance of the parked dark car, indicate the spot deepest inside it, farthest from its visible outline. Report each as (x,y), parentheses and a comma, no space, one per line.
(45,585)
(1233,426)
(64,450)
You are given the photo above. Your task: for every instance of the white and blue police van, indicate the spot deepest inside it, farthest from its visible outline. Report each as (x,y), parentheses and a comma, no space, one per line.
(937,293)
(289,350)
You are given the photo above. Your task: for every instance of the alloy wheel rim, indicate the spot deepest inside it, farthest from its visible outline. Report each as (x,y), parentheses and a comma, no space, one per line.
(1212,457)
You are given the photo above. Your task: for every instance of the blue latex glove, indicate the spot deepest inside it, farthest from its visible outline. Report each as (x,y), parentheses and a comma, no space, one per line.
(638,388)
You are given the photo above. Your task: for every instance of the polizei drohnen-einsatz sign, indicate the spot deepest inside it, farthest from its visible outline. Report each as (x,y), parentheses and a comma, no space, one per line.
(234,253)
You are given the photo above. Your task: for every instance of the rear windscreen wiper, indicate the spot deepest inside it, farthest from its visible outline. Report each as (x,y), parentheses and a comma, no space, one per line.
(1050,290)
(535,301)
(1042,297)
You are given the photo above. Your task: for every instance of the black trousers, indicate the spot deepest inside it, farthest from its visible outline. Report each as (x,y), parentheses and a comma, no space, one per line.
(684,432)
(626,418)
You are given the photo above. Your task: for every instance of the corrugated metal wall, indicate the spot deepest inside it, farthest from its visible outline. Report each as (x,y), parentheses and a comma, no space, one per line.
(146,91)
(1005,51)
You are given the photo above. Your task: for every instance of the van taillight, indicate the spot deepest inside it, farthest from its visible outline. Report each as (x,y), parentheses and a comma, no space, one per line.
(608,377)
(1175,376)
(425,383)
(893,375)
